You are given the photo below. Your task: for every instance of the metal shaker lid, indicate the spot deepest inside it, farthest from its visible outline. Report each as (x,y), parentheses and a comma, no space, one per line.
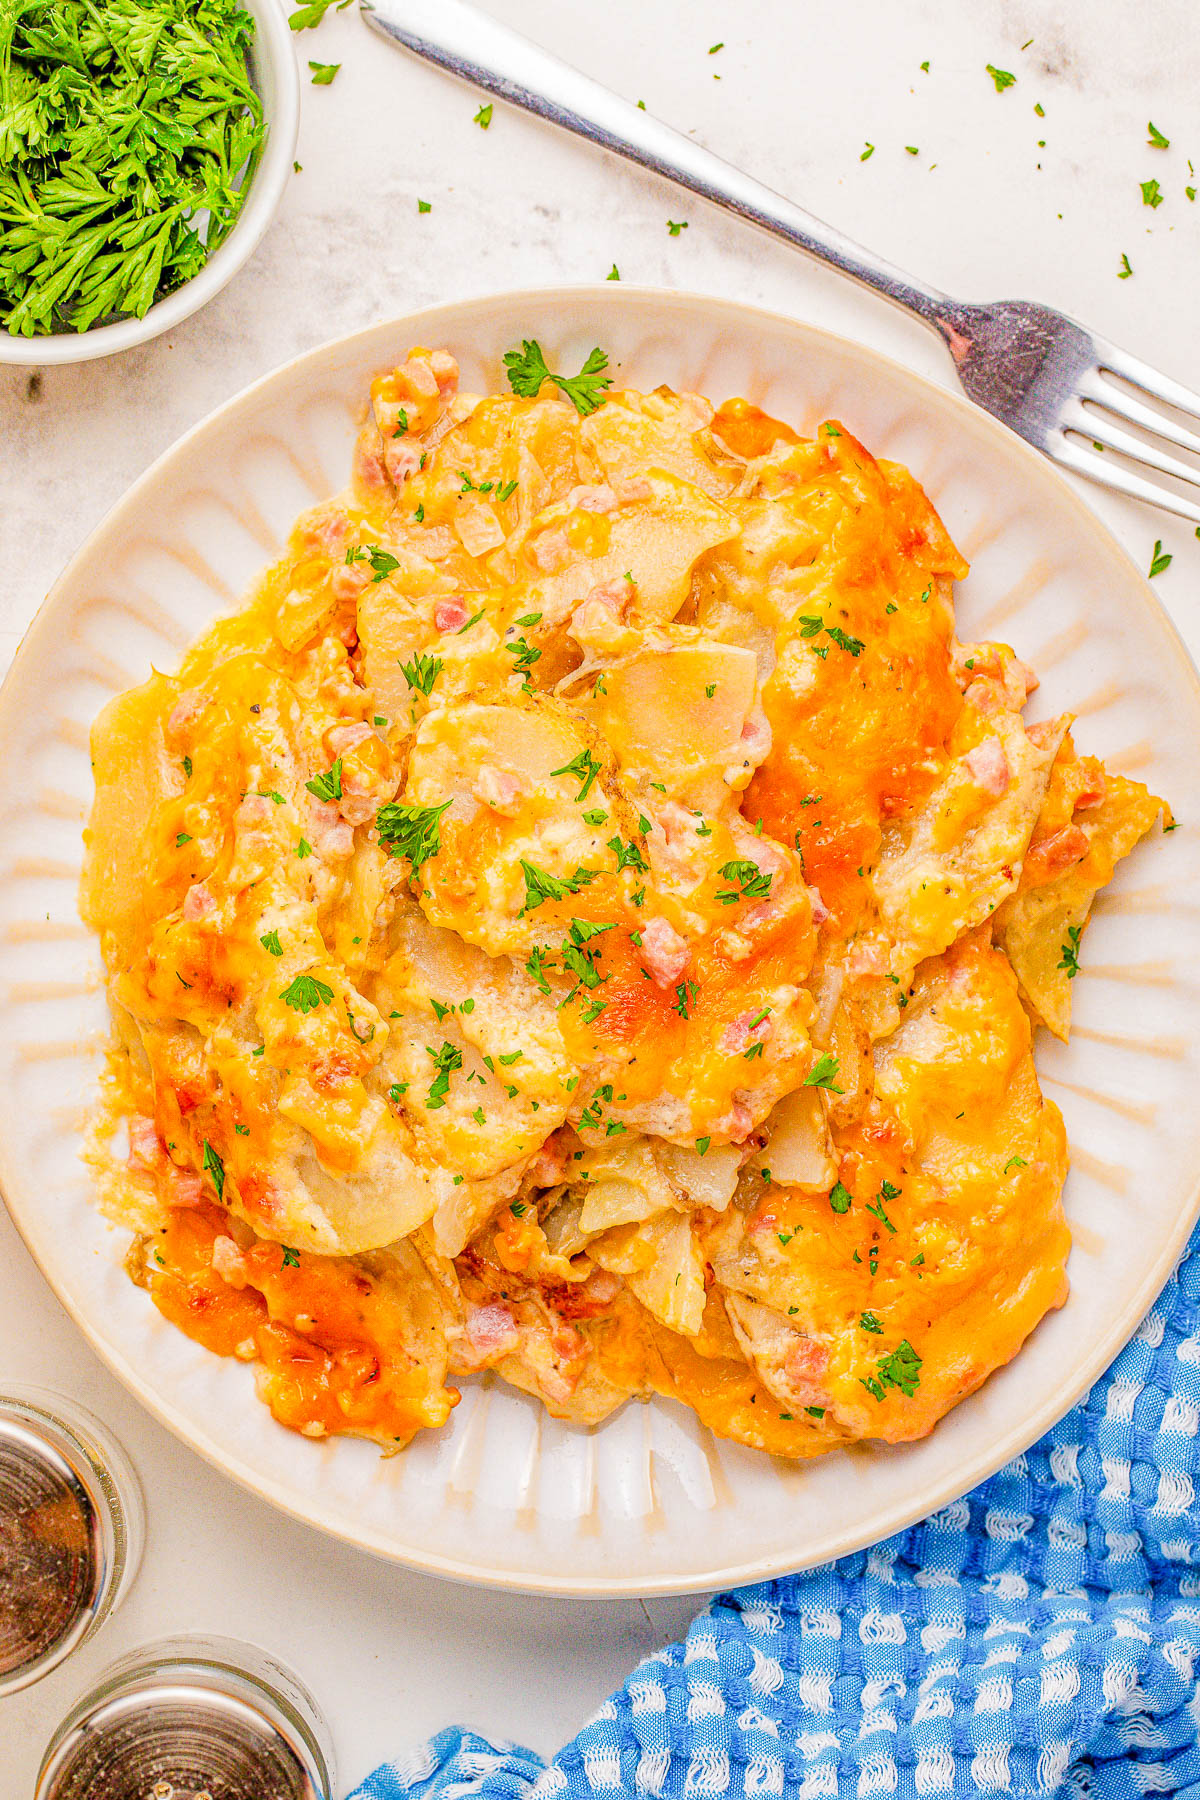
(52,1552)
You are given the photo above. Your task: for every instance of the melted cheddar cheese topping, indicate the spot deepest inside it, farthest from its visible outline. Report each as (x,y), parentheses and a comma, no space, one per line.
(585,916)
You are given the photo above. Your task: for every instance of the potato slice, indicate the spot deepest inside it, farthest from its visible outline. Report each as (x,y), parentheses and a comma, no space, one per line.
(677,715)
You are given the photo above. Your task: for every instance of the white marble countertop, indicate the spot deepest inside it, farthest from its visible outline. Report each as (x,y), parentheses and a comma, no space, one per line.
(983,209)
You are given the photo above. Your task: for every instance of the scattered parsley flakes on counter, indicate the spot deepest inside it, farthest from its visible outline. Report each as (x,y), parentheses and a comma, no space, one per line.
(1125,270)
(614,274)
(912,149)
(308,17)
(1003,78)
(1160,560)
(925,68)
(713,48)
(323,73)
(675,226)
(868,153)
(129,131)
(1156,140)
(424,206)
(483,117)
(527,370)
(1151,195)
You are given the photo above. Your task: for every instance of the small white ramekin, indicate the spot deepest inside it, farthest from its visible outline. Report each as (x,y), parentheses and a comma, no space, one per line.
(273,67)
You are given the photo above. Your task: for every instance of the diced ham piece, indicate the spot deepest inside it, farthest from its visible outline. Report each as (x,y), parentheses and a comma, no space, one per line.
(664,952)
(1056,852)
(492,1331)
(756,739)
(804,1364)
(749,1028)
(184,713)
(444,370)
(198,903)
(420,376)
(449,613)
(1096,789)
(499,789)
(332,836)
(820,911)
(145,1146)
(348,581)
(401,459)
(867,959)
(599,499)
(228,1262)
(550,551)
(988,765)
(184,1188)
(737,1123)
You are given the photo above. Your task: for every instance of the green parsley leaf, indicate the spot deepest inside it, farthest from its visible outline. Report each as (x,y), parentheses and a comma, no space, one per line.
(271,943)
(823,1074)
(702,1145)
(1159,562)
(1002,78)
(536,964)
(181,838)
(381,561)
(506,492)
(584,768)
(753,883)
(291,1258)
(306,993)
(1015,1162)
(187,767)
(411,831)
(422,671)
(1070,951)
(483,117)
(214,1167)
(870,1321)
(424,206)
(323,73)
(303,849)
(1151,196)
(527,370)
(445,1061)
(614,274)
(840,1197)
(541,886)
(675,226)
(308,17)
(851,644)
(1125,270)
(868,153)
(1156,140)
(329,785)
(628,857)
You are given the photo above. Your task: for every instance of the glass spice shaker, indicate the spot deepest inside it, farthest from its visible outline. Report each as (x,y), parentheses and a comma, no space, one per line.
(71,1527)
(195,1718)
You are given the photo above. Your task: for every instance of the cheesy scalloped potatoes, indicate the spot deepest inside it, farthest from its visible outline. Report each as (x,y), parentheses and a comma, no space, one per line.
(586,917)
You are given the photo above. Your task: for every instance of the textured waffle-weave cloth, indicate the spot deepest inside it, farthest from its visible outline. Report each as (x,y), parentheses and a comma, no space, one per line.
(1040,1635)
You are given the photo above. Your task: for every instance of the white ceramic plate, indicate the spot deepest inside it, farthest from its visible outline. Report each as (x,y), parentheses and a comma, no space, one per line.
(649,1502)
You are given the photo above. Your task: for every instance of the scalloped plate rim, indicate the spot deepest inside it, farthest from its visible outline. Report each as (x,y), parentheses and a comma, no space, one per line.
(281,1495)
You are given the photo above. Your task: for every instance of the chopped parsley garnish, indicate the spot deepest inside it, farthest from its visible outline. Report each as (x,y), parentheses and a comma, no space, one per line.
(675,226)
(445,1061)
(867,152)
(524,655)
(401,424)
(182,838)
(815,1412)
(527,370)
(329,785)
(382,561)
(424,206)
(685,993)
(840,1197)
(1159,561)
(1156,140)
(303,849)
(1015,1162)
(900,1368)
(291,1258)
(540,885)
(536,964)
(483,117)
(823,1074)
(1002,78)
(870,1321)
(1070,951)
(397,1089)
(1125,270)
(506,491)
(306,993)
(323,73)
(876,1209)
(1151,196)
(614,274)
(411,831)
(753,883)
(851,644)
(702,1145)
(592,1011)
(584,768)
(422,672)
(271,943)
(597,816)
(628,857)
(187,767)
(214,1167)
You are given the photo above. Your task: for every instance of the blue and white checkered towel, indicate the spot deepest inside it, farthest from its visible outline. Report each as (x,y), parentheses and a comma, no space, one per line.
(1042,1634)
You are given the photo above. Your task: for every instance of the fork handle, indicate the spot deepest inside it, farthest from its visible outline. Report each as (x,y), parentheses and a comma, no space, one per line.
(468,43)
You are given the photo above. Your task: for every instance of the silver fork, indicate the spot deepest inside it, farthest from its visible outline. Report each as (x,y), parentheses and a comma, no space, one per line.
(1053,382)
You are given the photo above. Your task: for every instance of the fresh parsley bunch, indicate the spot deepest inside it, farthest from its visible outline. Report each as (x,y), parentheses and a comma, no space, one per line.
(129,130)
